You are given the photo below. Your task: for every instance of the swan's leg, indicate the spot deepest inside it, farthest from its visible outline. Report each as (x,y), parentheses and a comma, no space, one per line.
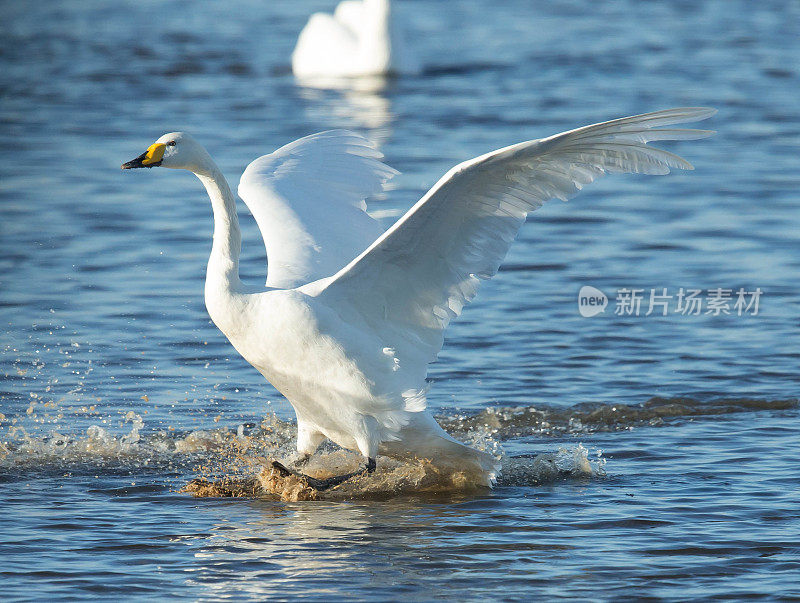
(365,446)
(328,482)
(298,459)
(308,440)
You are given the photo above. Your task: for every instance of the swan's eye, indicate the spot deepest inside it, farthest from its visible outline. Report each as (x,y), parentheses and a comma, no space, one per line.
(171,143)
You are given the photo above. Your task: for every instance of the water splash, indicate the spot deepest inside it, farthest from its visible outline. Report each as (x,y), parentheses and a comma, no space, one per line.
(399,478)
(504,423)
(230,460)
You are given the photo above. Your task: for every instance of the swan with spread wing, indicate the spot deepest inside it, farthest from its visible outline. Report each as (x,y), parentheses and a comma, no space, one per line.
(351,316)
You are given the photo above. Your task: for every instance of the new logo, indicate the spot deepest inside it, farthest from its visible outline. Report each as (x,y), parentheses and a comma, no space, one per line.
(591,301)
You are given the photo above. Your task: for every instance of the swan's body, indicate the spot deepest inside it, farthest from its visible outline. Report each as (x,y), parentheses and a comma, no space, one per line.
(361,38)
(351,317)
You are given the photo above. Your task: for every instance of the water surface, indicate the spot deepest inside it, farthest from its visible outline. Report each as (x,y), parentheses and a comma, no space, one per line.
(675,437)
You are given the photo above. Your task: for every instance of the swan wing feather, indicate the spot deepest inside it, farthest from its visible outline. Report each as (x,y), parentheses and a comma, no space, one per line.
(308,199)
(420,273)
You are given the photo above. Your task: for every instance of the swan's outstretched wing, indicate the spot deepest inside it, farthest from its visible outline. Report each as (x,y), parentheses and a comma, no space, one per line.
(308,200)
(420,273)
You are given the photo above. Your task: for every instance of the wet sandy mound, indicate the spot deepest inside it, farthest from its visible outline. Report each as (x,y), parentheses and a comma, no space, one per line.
(273,482)
(270,482)
(393,478)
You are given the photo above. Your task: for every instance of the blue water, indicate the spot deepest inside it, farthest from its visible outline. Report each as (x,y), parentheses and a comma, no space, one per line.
(117,390)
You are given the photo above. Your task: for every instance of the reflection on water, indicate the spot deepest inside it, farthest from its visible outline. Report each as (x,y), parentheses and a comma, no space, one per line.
(373,84)
(326,548)
(356,103)
(306,548)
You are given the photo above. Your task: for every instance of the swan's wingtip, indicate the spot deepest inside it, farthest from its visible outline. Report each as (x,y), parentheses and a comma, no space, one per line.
(703,112)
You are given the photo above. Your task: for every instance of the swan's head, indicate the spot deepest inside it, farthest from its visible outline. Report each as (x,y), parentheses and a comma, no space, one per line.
(175,150)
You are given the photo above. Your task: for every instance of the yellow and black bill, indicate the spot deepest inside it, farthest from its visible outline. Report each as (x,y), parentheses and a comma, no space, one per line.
(150,158)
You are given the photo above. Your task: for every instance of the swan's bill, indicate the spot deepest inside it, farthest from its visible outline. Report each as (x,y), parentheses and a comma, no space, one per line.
(150,158)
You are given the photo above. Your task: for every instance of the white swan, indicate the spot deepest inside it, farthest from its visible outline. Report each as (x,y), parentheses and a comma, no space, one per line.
(361,38)
(351,317)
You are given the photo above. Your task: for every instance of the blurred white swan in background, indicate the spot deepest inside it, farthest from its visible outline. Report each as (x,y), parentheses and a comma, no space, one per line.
(351,317)
(361,38)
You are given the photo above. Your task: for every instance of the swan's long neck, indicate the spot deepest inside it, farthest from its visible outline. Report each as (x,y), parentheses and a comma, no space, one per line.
(376,42)
(223,265)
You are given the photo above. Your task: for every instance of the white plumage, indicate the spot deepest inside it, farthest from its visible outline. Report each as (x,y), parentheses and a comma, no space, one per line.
(351,317)
(361,38)
(285,191)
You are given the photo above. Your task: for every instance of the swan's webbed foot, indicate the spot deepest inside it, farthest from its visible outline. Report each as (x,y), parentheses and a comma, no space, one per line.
(298,459)
(328,482)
